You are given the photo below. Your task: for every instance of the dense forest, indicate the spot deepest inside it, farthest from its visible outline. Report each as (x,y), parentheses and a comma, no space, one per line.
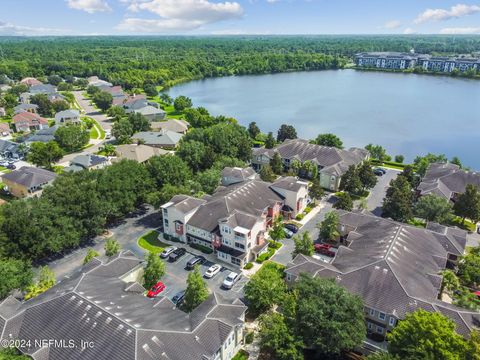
(136,61)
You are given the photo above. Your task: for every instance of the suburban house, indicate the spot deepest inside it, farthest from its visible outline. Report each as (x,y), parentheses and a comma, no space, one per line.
(87,162)
(139,104)
(10,149)
(42,89)
(56,97)
(152,113)
(234,220)
(25,107)
(161,139)
(104,304)
(95,81)
(139,153)
(44,135)
(67,117)
(5,129)
(134,102)
(395,268)
(26,121)
(27,181)
(332,163)
(30,81)
(447,180)
(178,126)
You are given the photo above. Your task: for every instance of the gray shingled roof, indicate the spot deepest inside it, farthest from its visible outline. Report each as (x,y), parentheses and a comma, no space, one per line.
(238,172)
(162,138)
(43,135)
(392,266)
(174,125)
(185,203)
(30,176)
(140,153)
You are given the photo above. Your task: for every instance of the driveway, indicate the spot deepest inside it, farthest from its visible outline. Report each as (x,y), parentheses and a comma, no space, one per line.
(377,194)
(90,111)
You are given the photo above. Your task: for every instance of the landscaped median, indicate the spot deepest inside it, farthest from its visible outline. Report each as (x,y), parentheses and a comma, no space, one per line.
(150,242)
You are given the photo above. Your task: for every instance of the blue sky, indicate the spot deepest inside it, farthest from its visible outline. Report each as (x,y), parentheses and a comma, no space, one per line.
(118,17)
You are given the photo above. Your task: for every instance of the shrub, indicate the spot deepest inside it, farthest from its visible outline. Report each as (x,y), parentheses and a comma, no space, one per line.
(265,256)
(299,217)
(166,236)
(274,244)
(248,266)
(203,249)
(249,337)
(307,210)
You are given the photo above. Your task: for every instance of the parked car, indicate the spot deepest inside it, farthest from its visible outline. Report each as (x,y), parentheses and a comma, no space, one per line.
(230,280)
(156,289)
(11,167)
(177,254)
(167,251)
(288,233)
(212,271)
(292,227)
(179,297)
(378,172)
(324,249)
(197,260)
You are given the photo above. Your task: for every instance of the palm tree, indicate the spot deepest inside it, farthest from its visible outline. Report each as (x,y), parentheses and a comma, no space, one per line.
(108,149)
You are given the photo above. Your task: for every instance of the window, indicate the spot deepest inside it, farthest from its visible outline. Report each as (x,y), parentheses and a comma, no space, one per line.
(381,316)
(165,222)
(289,277)
(379,329)
(240,246)
(370,326)
(165,212)
(372,312)
(391,321)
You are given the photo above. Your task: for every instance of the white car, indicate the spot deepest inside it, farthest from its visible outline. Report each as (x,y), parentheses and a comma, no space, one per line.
(212,271)
(167,251)
(230,280)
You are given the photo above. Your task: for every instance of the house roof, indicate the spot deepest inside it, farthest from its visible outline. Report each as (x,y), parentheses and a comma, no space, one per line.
(238,173)
(30,176)
(96,305)
(29,81)
(184,203)
(445,179)
(149,110)
(8,146)
(290,183)
(24,107)
(140,153)
(67,113)
(42,89)
(174,125)
(43,135)
(162,138)
(4,127)
(86,161)
(395,268)
(332,160)
(29,118)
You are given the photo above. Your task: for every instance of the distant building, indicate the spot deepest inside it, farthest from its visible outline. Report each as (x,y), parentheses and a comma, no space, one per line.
(178,126)
(87,162)
(25,107)
(44,135)
(95,81)
(67,117)
(386,60)
(27,181)
(163,139)
(26,121)
(5,129)
(45,89)
(138,153)
(30,81)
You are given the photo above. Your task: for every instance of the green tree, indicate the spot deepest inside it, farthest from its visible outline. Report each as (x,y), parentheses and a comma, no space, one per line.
(399,158)
(277,232)
(286,132)
(473,346)
(154,270)
(308,170)
(182,102)
(397,203)
(139,122)
(266,173)
(44,154)
(303,244)
(366,176)
(295,166)
(54,80)
(91,253)
(209,180)
(276,164)
(344,202)
(423,162)
(328,317)
(108,149)
(103,100)
(116,112)
(169,169)
(331,140)
(194,154)
(81,83)
(12,354)
(16,274)
(434,208)
(197,290)
(468,204)
(46,279)
(122,130)
(45,106)
(328,227)
(92,90)
(351,181)
(112,247)
(426,335)
(150,90)
(60,105)
(270,141)
(266,288)
(316,191)
(167,99)
(253,130)
(469,268)
(378,152)
(276,338)
(72,137)
(456,160)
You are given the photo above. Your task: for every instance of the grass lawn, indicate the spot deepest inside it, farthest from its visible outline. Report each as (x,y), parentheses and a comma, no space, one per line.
(94,133)
(468,225)
(417,222)
(150,242)
(169,109)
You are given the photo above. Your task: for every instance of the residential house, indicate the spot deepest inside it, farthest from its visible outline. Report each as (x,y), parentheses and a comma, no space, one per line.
(332,163)
(26,121)
(87,162)
(135,102)
(67,117)
(447,180)
(103,304)
(233,221)
(395,268)
(46,89)
(25,107)
(27,181)
(95,81)
(5,129)
(152,113)
(10,149)
(44,135)
(178,126)
(30,81)
(56,97)
(24,98)
(139,153)
(4,88)
(162,139)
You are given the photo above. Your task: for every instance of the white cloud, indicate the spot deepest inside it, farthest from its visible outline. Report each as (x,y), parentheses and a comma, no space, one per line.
(456,11)
(460,30)
(18,30)
(178,15)
(392,24)
(408,31)
(90,6)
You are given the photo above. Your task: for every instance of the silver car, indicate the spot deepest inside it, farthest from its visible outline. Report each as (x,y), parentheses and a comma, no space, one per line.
(230,280)
(167,251)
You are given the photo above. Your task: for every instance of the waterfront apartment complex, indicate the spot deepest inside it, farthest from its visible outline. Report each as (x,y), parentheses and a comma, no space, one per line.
(402,61)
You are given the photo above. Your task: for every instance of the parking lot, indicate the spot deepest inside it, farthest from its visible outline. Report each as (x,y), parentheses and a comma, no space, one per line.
(176,275)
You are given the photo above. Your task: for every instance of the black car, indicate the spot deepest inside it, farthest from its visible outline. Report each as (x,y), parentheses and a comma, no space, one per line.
(11,167)
(194,261)
(177,254)
(292,227)
(179,297)
(378,172)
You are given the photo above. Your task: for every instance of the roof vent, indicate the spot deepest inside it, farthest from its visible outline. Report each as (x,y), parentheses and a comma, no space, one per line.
(385,271)
(377,267)
(108,320)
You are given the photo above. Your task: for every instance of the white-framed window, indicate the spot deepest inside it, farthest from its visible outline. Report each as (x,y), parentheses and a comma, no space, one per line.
(391,321)
(381,316)
(370,326)
(372,312)
(379,329)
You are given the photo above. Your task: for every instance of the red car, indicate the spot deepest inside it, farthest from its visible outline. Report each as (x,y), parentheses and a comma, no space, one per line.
(324,249)
(156,289)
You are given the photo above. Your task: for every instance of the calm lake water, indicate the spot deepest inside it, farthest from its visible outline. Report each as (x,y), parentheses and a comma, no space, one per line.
(408,114)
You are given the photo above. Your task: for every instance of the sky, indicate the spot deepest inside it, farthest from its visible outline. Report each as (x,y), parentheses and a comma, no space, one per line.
(222,17)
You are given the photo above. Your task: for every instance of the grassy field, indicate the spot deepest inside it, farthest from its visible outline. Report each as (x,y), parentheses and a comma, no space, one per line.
(150,242)
(169,109)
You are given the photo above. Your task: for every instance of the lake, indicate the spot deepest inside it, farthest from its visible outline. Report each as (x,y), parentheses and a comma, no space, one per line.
(408,114)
